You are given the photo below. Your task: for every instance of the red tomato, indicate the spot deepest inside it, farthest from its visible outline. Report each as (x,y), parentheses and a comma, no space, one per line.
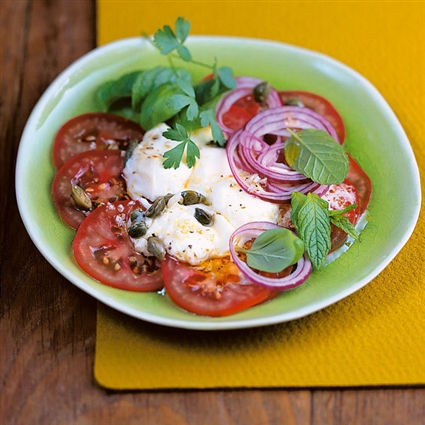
(102,248)
(98,172)
(219,290)
(356,188)
(358,182)
(362,183)
(95,130)
(241,112)
(318,104)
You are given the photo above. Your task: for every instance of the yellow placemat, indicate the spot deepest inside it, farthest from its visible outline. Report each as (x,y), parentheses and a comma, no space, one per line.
(374,337)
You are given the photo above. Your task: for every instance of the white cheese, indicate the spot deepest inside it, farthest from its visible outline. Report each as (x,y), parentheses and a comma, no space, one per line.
(183,235)
(144,172)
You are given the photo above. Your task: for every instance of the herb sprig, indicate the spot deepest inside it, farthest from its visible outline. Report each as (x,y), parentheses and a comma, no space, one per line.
(312,220)
(168,94)
(189,99)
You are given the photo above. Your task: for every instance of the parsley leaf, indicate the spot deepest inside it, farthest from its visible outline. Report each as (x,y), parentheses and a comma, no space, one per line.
(174,156)
(208,118)
(167,41)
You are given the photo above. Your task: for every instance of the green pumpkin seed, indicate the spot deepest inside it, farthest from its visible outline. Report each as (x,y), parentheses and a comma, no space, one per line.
(80,197)
(203,217)
(156,247)
(137,230)
(156,208)
(137,215)
(191,197)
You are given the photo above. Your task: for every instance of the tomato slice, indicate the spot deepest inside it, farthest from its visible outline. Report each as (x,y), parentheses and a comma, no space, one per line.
(98,172)
(361,182)
(103,249)
(356,188)
(318,104)
(357,182)
(218,289)
(94,130)
(241,112)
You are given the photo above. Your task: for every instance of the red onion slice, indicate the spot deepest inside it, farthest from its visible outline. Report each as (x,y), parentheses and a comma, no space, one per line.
(278,119)
(253,182)
(252,230)
(244,87)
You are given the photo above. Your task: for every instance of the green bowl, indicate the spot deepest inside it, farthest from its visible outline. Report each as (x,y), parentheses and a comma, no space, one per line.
(375,139)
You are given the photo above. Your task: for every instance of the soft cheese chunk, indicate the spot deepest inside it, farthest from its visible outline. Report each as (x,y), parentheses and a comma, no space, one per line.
(184,237)
(144,172)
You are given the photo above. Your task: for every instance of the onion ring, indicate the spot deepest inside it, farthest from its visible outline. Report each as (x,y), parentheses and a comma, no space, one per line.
(303,267)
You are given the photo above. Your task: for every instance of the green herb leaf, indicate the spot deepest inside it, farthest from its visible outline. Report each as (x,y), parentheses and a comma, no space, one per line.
(339,220)
(182,28)
(156,108)
(192,153)
(112,91)
(151,79)
(184,53)
(317,155)
(208,118)
(342,222)
(225,74)
(274,250)
(174,156)
(166,40)
(311,220)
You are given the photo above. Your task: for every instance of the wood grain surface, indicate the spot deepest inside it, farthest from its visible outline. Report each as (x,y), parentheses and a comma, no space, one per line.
(47,328)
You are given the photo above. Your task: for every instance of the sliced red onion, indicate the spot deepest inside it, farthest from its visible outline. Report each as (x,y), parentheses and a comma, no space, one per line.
(253,182)
(252,230)
(244,87)
(277,120)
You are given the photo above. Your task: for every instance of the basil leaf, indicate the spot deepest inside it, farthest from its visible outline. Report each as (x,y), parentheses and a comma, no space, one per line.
(312,222)
(317,155)
(274,250)
(153,78)
(156,108)
(112,91)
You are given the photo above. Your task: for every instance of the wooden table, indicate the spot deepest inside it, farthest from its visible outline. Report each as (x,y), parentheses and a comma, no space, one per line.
(48,325)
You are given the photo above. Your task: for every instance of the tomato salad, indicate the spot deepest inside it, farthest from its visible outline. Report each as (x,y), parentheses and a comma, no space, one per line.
(266,132)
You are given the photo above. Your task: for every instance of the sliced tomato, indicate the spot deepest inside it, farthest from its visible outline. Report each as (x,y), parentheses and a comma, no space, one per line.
(215,289)
(241,112)
(356,188)
(318,104)
(103,249)
(98,173)
(94,130)
(358,185)
(361,182)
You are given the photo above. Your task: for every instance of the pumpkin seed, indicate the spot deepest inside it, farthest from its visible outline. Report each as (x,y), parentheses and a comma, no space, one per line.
(80,197)
(137,215)
(156,208)
(191,197)
(137,229)
(156,247)
(203,217)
